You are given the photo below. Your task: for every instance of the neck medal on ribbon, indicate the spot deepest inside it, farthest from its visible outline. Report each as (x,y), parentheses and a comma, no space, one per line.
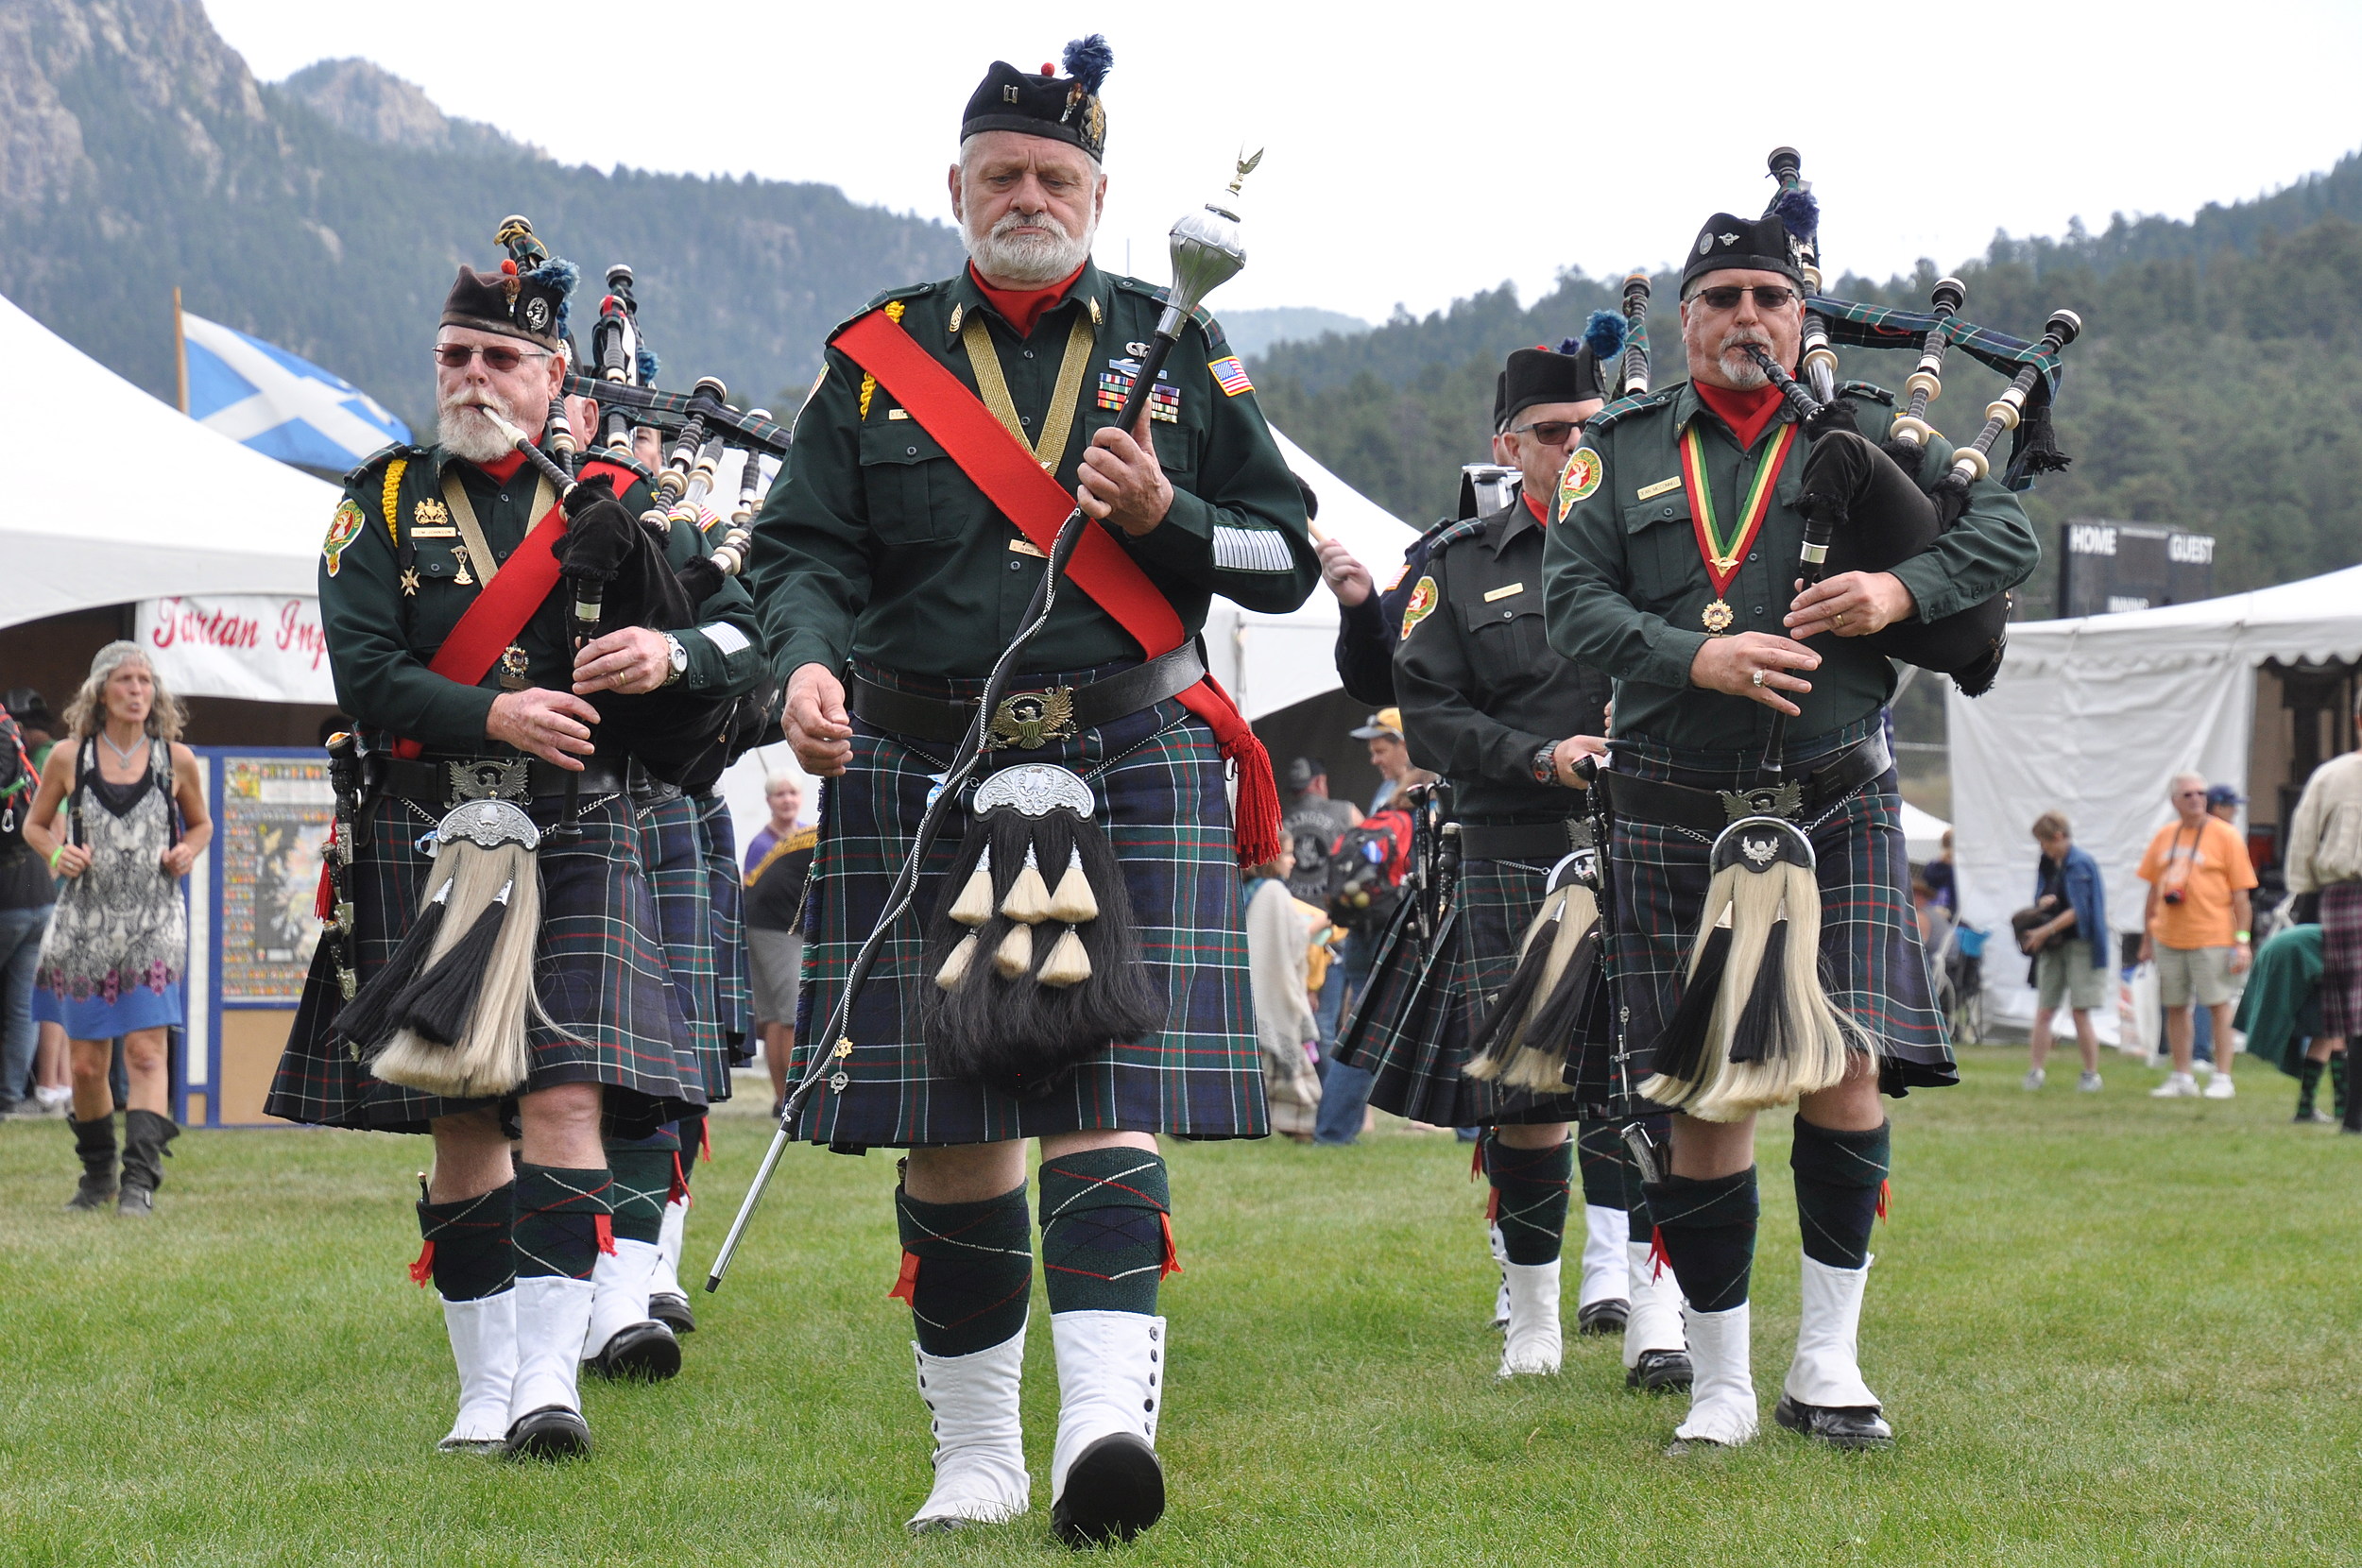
(1723,553)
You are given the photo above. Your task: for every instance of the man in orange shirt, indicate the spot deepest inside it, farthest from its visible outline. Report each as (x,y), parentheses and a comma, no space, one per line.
(2196,927)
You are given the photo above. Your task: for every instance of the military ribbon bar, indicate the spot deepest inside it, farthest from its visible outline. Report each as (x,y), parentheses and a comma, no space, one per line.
(1723,556)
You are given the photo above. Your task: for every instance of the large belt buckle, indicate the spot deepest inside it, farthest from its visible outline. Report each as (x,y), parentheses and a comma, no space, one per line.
(1765,800)
(1028,721)
(491,778)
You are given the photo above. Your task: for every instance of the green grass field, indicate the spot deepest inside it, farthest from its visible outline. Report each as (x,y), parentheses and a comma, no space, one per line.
(2108,1330)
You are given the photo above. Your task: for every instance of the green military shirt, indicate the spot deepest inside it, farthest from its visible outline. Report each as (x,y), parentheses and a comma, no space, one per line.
(391,589)
(874,544)
(1480,691)
(1628,588)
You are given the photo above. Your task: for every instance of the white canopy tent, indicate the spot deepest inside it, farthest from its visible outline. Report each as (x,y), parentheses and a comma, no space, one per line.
(208,515)
(2093,717)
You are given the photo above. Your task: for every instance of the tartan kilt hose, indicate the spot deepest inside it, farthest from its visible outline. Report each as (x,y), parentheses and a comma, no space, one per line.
(733,979)
(600,974)
(674,843)
(1871,959)
(1412,1027)
(1158,778)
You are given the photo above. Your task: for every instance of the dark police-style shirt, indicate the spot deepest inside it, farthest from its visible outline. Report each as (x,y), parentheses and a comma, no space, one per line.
(1628,589)
(874,544)
(380,639)
(1480,689)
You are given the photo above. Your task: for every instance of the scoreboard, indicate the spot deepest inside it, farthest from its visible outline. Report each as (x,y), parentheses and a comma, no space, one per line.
(2105,567)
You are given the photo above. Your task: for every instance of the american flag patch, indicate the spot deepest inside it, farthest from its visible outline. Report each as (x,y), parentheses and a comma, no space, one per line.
(1231,374)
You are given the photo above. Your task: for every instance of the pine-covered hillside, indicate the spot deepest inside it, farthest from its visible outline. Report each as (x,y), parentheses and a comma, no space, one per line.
(2211,390)
(330,212)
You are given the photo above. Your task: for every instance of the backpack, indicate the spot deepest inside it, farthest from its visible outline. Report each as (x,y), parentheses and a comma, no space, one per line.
(1366,872)
(1310,836)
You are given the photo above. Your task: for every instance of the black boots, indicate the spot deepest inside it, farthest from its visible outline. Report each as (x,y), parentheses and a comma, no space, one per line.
(144,1136)
(94,1142)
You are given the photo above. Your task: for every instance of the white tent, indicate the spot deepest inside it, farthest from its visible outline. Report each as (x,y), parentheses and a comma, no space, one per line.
(1923,833)
(2094,716)
(157,504)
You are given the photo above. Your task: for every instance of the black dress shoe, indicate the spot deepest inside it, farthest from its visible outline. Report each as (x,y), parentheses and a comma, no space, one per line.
(1602,1318)
(1659,1371)
(552,1432)
(1840,1426)
(673,1312)
(646,1351)
(1114,1490)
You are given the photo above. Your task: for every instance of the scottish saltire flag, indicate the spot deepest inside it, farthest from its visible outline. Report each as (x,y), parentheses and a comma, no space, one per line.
(262,396)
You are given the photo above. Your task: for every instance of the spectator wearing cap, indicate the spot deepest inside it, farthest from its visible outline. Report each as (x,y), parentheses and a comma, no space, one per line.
(1388,755)
(2069,947)
(2196,927)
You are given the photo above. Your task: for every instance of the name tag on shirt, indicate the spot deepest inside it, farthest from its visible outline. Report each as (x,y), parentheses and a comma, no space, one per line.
(435,533)
(1653,492)
(1504,592)
(1026,547)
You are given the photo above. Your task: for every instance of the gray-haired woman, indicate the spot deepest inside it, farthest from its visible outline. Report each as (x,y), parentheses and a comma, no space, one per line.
(118,945)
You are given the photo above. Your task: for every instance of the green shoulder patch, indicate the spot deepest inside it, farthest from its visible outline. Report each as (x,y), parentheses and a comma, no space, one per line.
(1419,605)
(1579,479)
(343,529)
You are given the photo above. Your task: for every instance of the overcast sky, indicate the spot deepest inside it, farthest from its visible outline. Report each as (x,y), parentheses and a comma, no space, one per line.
(1417,153)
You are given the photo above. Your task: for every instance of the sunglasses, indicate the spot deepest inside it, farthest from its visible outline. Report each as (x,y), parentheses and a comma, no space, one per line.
(1550,433)
(455,356)
(1769,296)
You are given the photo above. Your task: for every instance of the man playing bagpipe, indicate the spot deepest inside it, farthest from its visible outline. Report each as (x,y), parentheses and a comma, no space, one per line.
(1763,946)
(1485,704)
(494,968)
(1081,977)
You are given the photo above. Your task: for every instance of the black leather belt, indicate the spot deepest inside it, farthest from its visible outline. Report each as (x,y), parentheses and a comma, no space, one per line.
(448,780)
(1711,810)
(1027,721)
(1525,841)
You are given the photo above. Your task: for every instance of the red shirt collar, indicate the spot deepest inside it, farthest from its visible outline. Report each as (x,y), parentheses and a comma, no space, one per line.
(1024,308)
(1541,513)
(504,467)
(1746,412)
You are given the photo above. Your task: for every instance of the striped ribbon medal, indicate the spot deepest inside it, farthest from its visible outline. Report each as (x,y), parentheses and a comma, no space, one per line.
(1722,553)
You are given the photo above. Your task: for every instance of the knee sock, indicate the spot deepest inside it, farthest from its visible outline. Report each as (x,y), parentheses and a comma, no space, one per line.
(642,1170)
(967,1269)
(1530,1196)
(1839,1178)
(2308,1084)
(563,1220)
(2342,1098)
(468,1251)
(1608,1173)
(1707,1230)
(1107,1239)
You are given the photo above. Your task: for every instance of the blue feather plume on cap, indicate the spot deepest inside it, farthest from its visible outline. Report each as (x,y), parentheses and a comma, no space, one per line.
(1799,213)
(648,366)
(1089,61)
(1603,335)
(561,275)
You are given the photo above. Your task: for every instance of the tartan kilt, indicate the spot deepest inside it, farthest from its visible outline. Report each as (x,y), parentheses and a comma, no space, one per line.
(1412,1026)
(717,836)
(1871,960)
(600,975)
(2341,988)
(1159,779)
(671,838)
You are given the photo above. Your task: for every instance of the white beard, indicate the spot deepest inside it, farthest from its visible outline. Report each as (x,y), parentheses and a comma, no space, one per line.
(1030,259)
(464,432)
(1737,365)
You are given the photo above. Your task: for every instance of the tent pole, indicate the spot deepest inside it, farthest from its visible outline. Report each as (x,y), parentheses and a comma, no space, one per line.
(179,348)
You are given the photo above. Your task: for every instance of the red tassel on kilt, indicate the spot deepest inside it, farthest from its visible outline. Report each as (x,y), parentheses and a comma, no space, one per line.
(679,1189)
(423,1269)
(1172,1255)
(906,1284)
(604,1225)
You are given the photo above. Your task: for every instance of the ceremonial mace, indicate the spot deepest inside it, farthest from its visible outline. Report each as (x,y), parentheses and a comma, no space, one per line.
(1207,251)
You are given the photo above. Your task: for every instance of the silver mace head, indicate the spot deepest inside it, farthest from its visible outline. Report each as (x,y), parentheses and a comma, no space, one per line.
(1207,251)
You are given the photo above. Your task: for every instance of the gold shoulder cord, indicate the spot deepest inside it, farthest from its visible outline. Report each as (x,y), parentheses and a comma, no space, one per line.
(994,387)
(393,498)
(868,382)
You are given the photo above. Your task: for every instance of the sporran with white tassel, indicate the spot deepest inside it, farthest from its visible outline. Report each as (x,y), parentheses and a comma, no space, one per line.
(1557,997)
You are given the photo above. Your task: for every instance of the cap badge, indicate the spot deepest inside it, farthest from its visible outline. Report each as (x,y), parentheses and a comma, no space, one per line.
(1008,94)
(537,314)
(1705,243)
(1728,239)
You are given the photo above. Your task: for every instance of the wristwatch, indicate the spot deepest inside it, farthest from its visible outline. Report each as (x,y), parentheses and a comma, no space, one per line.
(1546,763)
(680,659)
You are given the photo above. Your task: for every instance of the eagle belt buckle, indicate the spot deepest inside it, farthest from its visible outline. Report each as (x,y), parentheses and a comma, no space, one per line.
(491,778)
(1766,800)
(1030,720)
